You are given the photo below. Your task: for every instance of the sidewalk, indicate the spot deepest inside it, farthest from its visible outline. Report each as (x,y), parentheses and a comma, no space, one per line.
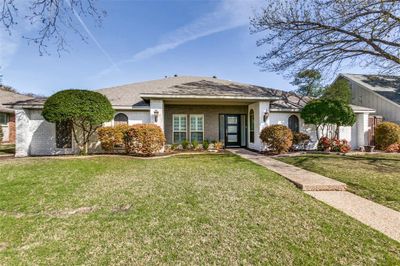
(333,193)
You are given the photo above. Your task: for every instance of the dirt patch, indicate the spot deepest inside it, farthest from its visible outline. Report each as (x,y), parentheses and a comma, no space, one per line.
(3,246)
(121,208)
(67,213)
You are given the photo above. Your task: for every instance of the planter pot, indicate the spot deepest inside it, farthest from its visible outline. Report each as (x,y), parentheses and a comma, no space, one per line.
(368,148)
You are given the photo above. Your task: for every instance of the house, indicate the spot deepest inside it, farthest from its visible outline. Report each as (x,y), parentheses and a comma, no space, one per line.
(7,116)
(186,108)
(378,92)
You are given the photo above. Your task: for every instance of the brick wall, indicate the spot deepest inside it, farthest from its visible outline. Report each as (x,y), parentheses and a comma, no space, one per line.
(11,128)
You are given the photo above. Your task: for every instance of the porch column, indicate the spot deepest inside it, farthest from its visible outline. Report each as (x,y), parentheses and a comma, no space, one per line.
(259,108)
(362,129)
(157,112)
(23,136)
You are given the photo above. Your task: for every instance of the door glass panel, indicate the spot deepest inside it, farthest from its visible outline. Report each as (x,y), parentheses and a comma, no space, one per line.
(232,138)
(232,129)
(232,120)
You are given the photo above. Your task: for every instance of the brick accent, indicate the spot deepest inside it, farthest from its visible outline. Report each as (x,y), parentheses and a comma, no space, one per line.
(11,128)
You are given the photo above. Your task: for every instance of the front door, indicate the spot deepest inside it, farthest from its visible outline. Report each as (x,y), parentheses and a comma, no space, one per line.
(232,130)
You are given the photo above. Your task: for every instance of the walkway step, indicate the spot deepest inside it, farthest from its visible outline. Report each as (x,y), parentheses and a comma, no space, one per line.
(379,217)
(303,179)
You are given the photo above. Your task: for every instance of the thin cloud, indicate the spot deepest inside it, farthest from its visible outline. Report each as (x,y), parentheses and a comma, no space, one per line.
(91,35)
(229,14)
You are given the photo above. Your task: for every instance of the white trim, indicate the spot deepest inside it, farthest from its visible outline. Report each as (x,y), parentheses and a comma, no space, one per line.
(173,128)
(172,96)
(254,126)
(190,125)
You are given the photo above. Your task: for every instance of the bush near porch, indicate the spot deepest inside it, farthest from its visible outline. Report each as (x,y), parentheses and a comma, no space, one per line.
(140,139)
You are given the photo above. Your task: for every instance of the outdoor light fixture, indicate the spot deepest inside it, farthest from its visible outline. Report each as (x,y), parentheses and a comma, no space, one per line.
(265,117)
(156,112)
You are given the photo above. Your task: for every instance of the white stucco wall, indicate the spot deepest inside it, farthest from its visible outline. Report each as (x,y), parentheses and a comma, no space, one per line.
(134,117)
(35,136)
(6,132)
(259,110)
(281,118)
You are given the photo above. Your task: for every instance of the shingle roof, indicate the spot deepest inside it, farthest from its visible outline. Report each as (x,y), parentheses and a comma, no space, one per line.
(8,97)
(130,94)
(386,86)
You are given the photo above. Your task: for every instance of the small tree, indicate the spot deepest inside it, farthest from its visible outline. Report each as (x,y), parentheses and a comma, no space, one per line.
(323,113)
(316,113)
(340,114)
(86,110)
(338,91)
(308,82)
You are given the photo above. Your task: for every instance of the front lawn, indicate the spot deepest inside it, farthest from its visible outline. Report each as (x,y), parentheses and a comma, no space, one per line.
(191,209)
(375,177)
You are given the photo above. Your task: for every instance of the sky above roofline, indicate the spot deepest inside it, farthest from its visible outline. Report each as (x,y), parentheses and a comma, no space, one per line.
(144,40)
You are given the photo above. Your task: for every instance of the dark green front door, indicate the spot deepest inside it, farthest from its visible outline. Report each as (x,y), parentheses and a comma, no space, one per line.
(232,130)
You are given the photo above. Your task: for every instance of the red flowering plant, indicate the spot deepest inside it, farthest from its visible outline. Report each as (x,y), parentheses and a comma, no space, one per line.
(334,144)
(324,144)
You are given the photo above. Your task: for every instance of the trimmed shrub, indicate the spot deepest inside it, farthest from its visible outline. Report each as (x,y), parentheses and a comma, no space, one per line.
(300,137)
(144,139)
(387,133)
(206,144)
(195,144)
(393,148)
(185,144)
(219,145)
(278,138)
(324,144)
(111,137)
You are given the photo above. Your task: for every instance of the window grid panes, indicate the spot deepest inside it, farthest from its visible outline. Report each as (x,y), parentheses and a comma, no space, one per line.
(3,119)
(196,128)
(179,128)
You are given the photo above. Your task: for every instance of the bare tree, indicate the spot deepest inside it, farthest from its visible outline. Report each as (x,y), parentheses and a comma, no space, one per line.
(326,34)
(50,19)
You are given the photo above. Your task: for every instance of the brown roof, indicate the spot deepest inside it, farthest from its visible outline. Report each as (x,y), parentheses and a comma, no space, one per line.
(130,94)
(9,97)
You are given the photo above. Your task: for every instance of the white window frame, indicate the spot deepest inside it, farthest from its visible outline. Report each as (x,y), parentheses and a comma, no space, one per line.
(190,125)
(179,131)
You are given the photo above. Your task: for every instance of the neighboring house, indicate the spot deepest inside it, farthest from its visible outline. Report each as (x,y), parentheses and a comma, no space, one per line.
(7,116)
(378,92)
(186,108)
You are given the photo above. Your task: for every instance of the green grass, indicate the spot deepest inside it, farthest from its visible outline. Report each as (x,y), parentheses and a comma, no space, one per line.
(192,209)
(7,149)
(375,177)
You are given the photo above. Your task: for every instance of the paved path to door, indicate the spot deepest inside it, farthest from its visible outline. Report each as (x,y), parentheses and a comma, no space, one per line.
(333,193)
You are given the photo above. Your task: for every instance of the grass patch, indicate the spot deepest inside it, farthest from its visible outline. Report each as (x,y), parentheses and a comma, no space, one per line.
(7,149)
(192,209)
(375,177)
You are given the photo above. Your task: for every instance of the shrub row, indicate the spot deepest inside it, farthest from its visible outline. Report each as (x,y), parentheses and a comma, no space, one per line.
(142,139)
(333,144)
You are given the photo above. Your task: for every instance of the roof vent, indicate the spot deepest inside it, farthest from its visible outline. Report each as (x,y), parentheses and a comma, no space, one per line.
(165,76)
(214,77)
(175,75)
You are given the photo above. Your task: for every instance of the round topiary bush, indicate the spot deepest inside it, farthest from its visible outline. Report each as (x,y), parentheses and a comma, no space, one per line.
(278,138)
(387,133)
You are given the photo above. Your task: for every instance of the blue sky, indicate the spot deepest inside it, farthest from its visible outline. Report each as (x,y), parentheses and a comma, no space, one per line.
(144,40)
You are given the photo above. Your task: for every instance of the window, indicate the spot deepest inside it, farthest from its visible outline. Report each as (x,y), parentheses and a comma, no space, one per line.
(197,128)
(294,123)
(252,126)
(120,119)
(3,119)
(64,135)
(179,128)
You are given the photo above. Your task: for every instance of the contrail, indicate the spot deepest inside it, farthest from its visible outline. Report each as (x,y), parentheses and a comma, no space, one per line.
(83,24)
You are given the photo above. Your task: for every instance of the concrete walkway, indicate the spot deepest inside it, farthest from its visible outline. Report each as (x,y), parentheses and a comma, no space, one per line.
(332,192)
(303,179)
